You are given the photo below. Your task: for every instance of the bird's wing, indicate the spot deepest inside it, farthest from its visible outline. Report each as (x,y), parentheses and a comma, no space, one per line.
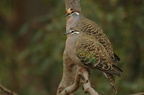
(93,55)
(103,39)
(91,28)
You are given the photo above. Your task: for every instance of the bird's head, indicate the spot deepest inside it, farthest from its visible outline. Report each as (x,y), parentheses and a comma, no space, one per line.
(71,12)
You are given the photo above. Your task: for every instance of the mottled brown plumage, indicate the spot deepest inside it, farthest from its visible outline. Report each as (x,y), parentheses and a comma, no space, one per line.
(88,46)
(91,28)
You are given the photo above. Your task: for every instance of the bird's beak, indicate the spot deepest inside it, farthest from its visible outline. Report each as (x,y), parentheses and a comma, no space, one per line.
(66,15)
(67,33)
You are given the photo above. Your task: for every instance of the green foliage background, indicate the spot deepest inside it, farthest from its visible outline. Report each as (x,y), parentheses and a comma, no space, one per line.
(32,44)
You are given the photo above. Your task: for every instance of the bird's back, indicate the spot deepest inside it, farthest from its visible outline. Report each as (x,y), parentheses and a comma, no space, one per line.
(92,29)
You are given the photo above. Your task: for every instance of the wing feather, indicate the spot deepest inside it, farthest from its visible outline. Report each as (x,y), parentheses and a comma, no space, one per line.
(93,55)
(91,28)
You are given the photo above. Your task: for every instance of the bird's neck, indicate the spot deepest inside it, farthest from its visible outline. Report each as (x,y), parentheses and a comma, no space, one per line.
(71,22)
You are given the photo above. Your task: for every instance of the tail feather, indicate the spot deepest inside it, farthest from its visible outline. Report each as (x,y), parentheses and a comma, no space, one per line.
(111,79)
(117,70)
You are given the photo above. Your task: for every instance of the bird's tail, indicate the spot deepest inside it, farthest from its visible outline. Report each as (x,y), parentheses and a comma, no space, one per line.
(117,71)
(111,79)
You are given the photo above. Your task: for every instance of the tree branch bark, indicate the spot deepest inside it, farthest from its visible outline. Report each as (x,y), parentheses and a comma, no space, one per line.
(82,76)
(142,93)
(72,88)
(69,73)
(74,4)
(9,92)
(87,84)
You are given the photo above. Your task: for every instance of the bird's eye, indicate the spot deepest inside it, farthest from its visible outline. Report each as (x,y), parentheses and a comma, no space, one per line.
(72,31)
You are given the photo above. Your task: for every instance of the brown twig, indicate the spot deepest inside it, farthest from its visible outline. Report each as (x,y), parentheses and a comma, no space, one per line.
(87,84)
(138,93)
(74,4)
(69,73)
(80,76)
(9,92)
(72,88)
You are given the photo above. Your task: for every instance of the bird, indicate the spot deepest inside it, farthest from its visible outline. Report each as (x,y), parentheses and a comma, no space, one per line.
(88,46)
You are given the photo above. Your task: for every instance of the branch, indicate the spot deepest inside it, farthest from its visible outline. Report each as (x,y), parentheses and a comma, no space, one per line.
(87,84)
(74,4)
(81,75)
(9,92)
(72,88)
(138,93)
(69,73)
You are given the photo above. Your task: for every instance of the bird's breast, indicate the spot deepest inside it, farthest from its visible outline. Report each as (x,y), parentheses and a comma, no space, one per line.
(70,43)
(71,49)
